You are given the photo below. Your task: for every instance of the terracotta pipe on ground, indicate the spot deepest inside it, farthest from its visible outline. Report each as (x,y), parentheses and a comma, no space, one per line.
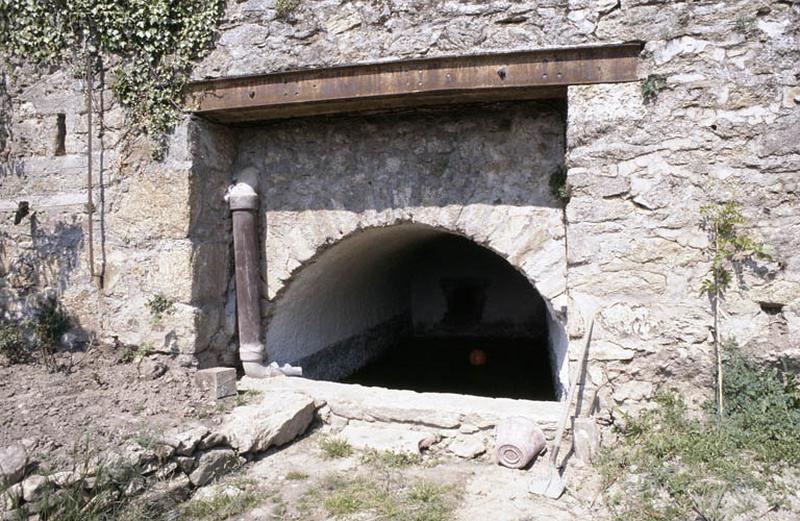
(243,201)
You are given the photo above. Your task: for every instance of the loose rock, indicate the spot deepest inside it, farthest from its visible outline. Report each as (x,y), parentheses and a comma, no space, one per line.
(186,463)
(276,421)
(32,487)
(186,441)
(13,460)
(152,369)
(467,448)
(212,464)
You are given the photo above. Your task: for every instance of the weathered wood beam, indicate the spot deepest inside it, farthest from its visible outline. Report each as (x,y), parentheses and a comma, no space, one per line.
(430,81)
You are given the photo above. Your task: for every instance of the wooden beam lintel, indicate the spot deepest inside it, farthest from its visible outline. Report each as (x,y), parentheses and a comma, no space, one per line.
(398,84)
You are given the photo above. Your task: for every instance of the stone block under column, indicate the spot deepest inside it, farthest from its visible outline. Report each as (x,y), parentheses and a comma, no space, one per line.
(219,381)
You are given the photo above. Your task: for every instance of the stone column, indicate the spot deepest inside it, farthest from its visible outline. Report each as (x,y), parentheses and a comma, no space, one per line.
(243,201)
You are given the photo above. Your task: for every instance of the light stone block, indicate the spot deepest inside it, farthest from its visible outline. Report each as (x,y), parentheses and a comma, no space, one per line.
(220,381)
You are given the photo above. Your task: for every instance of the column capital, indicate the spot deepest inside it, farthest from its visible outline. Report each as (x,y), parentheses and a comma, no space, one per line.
(241,196)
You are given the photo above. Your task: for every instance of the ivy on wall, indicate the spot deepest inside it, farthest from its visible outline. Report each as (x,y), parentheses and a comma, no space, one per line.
(151,45)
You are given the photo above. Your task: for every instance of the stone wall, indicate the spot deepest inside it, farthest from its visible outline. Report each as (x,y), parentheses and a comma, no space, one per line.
(481,172)
(160,228)
(722,127)
(719,130)
(726,124)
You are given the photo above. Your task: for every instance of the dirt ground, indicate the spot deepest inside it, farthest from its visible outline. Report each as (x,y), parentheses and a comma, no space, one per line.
(302,483)
(105,399)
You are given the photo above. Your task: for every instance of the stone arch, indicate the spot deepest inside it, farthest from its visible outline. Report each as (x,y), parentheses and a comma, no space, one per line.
(344,305)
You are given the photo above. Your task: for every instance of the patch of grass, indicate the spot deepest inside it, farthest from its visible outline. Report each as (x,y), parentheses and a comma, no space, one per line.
(296,475)
(284,8)
(432,462)
(245,397)
(145,438)
(670,466)
(99,491)
(129,353)
(12,343)
(340,497)
(391,459)
(222,506)
(50,324)
(335,448)
(652,86)
(146,349)
(426,501)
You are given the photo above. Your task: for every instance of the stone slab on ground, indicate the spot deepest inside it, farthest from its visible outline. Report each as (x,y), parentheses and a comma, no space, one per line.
(467,447)
(276,420)
(385,438)
(439,410)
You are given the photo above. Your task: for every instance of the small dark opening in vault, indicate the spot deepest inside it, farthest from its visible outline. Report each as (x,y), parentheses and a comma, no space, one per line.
(413,307)
(465,299)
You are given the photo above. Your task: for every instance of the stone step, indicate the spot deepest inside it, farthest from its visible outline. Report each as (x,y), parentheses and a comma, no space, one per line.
(435,410)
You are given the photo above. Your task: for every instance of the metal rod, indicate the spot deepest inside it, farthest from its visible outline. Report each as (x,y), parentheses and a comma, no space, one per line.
(101,174)
(89,201)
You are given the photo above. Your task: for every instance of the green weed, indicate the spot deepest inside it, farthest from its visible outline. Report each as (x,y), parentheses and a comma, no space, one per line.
(245,397)
(222,506)
(652,86)
(745,24)
(670,466)
(396,460)
(145,438)
(159,305)
(340,497)
(284,8)
(50,324)
(559,186)
(335,448)
(12,343)
(129,353)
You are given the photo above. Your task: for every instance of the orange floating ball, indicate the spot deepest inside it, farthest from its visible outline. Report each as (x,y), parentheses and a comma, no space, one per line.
(477,357)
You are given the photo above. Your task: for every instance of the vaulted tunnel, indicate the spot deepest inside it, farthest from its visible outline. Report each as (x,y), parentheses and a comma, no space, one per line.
(413,307)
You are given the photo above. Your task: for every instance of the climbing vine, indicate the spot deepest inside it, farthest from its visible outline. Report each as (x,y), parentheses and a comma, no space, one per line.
(151,45)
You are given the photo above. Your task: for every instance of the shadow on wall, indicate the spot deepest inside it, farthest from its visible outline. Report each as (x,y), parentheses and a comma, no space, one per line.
(42,266)
(213,150)
(35,275)
(491,154)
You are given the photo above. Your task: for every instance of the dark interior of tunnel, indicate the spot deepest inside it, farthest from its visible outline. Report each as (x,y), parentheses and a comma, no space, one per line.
(413,307)
(511,367)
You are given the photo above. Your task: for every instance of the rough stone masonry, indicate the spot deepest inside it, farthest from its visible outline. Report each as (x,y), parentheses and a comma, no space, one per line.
(628,245)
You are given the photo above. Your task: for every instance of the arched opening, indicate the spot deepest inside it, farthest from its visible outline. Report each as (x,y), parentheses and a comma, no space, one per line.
(413,307)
